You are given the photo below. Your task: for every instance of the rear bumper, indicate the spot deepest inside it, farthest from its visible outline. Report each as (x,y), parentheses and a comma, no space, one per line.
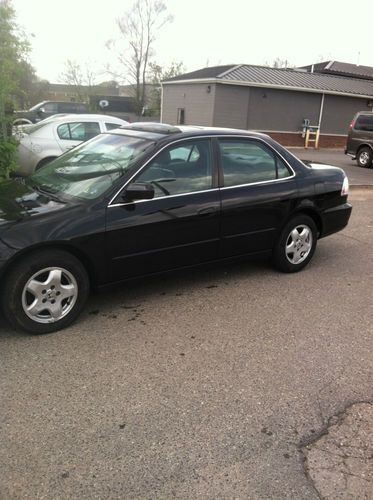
(335,219)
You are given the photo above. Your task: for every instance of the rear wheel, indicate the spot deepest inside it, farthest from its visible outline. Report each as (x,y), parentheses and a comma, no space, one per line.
(45,292)
(364,157)
(296,245)
(22,121)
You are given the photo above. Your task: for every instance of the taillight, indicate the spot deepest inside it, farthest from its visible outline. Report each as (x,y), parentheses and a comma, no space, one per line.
(345,187)
(352,124)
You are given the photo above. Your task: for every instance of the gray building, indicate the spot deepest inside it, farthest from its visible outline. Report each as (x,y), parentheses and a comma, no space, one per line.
(270,100)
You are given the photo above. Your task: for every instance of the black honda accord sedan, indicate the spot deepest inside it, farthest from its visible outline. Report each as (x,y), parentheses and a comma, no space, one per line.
(144,199)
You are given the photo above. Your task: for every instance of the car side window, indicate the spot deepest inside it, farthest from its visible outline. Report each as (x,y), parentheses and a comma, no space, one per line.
(364,122)
(248,161)
(50,107)
(180,169)
(78,131)
(111,126)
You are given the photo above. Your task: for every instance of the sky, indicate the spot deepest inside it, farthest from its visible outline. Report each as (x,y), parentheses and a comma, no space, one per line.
(203,32)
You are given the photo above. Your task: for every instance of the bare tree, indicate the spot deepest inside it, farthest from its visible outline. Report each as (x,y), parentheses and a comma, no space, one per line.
(138,29)
(279,63)
(83,79)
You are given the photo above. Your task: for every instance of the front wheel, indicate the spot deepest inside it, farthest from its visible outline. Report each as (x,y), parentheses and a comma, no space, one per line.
(296,245)
(364,157)
(44,162)
(45,292)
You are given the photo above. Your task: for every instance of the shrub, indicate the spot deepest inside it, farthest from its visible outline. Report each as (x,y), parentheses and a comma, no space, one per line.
(8,157)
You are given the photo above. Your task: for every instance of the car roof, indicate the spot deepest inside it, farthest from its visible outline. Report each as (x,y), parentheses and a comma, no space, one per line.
(156,131)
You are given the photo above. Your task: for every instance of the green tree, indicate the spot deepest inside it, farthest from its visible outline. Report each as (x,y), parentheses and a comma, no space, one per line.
(138,30)
(14,49)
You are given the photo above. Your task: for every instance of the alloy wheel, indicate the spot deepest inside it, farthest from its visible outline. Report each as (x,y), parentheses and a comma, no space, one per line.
(49,295)
(298,244)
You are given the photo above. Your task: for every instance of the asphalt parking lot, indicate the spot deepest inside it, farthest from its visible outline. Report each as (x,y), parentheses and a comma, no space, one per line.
(199,384)
(357,176)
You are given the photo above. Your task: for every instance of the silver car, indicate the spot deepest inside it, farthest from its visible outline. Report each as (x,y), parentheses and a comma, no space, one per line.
(41,143)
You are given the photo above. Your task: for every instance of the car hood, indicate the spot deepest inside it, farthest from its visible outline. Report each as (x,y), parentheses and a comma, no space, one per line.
(19,201)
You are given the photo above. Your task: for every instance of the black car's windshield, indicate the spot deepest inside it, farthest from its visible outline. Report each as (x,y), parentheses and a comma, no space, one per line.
(91,168)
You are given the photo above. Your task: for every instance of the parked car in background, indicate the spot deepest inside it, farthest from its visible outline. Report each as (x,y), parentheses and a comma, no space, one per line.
(360,139)
(143,199)
(47,108)
(41,143)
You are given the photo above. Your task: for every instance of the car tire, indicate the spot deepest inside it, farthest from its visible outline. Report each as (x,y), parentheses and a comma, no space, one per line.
(45,292)
(364,157)
(44,162)
(296,244)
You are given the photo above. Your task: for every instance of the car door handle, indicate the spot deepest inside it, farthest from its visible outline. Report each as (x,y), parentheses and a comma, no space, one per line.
(203,212)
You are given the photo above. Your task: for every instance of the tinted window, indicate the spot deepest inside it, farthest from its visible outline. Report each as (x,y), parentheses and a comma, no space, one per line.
(80,131)
(180,169)
(246,161)
(364,122)
(71,107)
(50,107)
(111,126)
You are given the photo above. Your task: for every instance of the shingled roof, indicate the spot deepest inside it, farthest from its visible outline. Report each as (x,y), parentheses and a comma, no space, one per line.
(262,76)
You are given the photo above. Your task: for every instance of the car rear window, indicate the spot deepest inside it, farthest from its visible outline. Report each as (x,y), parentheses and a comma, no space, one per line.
(364,122)
(111,126)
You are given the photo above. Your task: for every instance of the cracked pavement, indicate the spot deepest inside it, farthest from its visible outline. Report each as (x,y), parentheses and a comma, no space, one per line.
(202,384)
(340,462)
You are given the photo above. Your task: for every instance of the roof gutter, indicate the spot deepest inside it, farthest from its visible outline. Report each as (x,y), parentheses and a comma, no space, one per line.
(268,86)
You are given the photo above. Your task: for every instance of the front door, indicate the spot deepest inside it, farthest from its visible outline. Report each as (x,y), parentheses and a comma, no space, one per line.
(179,226)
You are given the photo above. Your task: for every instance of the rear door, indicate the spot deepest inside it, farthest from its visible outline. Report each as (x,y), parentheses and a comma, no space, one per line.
(259,190)
(70,134)
(179,226)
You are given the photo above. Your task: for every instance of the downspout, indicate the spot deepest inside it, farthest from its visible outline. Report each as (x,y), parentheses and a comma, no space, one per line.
(321,110)
(161,117)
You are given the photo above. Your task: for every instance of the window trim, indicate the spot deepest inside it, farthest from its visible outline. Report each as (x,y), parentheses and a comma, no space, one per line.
(216,167)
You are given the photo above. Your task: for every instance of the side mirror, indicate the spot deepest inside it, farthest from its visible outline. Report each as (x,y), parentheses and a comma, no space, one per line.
(138,191)
(41,111)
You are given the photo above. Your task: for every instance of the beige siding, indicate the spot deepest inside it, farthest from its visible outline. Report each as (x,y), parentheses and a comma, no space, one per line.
(231,106)
(194,98)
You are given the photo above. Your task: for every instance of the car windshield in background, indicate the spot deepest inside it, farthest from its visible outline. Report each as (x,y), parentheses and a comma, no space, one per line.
(90,169)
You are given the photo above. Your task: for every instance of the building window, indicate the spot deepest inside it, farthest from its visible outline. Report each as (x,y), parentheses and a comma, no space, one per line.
(180,116)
